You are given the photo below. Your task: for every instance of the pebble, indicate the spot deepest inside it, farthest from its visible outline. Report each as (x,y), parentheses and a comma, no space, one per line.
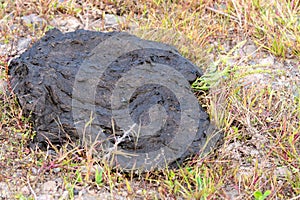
(3,86)
(282,172)
(249,49)
(34,171)
(49,186)
(4,190)
(45,197)
(254,152)
(64,195)
(259,141)
(268,61)
(231,192)
(99,195)
(113,20)
(23,44)
(139,192)
(296,91)
(230,62)
(59,181)
(25,191)
(67,24)
(33,19)
(3,49)
(56,170)
(51,152)
(87,197)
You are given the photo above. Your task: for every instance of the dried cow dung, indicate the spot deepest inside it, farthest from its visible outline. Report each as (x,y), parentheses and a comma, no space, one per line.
(128,98)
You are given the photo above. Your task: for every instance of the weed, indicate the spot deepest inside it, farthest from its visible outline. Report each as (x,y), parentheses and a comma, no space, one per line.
(99,176)
(258,195)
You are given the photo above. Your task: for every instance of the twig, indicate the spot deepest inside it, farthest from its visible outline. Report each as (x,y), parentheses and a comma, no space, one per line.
(222,13)
(294,198)
(31,190)
(118,141)
(233,18)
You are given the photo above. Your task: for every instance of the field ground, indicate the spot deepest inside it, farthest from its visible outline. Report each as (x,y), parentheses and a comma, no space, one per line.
(249,51)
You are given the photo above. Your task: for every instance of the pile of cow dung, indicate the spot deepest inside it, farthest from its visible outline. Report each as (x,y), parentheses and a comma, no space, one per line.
(95,87)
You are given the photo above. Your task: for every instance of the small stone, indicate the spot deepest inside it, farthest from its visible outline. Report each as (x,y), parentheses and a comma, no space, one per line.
(25,190)
(67,24)
(33,19)
(49,186)
(23,44)
(88,197)
(231,192)
(45,197)
(3,86)
(76,191)
(268,61)
(296,91)
(34,170)
(59,181)
(250,49)
(51,152)
(113,20)
(254,152)
(259,141)
(3,49)
(231,62)
(107,195)
(139,192)
(64,195)
(4,190)
(56,170)
(282,172)
(124,193)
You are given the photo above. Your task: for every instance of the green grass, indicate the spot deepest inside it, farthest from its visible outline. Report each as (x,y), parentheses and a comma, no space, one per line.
(259,117)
